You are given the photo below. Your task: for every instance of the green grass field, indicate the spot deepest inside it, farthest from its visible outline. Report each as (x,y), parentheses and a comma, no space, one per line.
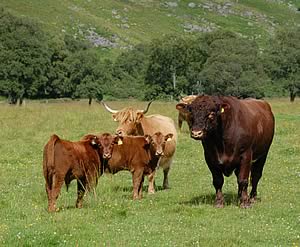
(181,216)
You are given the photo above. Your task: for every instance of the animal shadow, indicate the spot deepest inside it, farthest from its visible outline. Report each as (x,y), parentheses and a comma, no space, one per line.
(209,199)
(130,188)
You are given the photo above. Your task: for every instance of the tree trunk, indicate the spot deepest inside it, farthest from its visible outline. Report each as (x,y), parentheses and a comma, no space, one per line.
(90,101)
(21,101)
(292,96)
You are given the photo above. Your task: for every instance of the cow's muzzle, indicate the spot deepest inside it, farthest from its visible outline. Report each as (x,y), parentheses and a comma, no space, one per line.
(198,135)
(159,153)
(106,156)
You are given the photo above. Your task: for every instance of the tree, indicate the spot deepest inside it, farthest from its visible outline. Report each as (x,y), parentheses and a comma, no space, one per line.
(233,67)
(282,60)
(24,57)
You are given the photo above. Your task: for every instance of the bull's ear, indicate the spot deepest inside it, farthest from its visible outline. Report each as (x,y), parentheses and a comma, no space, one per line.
(182,107)
(224,108)
(148,139)
(168,137)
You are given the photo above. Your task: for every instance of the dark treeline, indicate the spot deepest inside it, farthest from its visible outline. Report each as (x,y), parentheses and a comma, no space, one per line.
(36,66)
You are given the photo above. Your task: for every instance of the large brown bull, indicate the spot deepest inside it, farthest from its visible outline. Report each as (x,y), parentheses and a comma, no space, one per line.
(134,122)
(139,155)
(236,136)
(65,160)
(182,115)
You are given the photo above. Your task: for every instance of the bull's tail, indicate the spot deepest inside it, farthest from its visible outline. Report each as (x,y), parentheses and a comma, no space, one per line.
(48,160)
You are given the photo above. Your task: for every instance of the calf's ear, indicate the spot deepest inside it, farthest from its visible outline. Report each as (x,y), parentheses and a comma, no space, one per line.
(148,139)
(95,142)
(118,140)
(169,137)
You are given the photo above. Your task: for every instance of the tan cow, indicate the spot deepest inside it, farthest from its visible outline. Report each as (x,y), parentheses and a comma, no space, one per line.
(182,115)
(134,122)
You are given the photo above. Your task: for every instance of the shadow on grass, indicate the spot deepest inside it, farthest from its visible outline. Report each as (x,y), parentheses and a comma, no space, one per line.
(129,188)
(229,198)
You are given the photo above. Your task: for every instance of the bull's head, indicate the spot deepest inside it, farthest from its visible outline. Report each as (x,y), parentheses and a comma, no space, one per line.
(157,142)
(129,119)
(203,112)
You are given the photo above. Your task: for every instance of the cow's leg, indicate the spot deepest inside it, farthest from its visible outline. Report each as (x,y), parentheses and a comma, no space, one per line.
(151,187)
(179,122)
(256,173)
(137,178)
(57,182)
(81,187)
(166,180)
(243,178)
(141,188)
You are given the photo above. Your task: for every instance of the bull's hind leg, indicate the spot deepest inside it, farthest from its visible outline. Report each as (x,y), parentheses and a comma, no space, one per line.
(81,187)
(256,173)
(54,193)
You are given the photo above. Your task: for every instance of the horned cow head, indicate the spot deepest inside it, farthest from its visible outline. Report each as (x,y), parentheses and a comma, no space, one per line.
(128,119)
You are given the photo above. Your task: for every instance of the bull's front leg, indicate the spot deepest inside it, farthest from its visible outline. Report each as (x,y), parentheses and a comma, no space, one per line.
(218,181)
(243,178)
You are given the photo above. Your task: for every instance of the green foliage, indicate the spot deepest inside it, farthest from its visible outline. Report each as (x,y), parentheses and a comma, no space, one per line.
(24,57)
(282,60)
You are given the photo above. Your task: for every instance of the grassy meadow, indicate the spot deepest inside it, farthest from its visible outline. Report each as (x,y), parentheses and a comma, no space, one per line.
(181,216)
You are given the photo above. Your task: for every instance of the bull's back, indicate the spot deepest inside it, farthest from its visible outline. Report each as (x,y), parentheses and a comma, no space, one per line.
(261,122)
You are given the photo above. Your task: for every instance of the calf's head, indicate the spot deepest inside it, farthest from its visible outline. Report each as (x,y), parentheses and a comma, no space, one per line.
(158,142)
(106,144)
(129,120)
(203,113)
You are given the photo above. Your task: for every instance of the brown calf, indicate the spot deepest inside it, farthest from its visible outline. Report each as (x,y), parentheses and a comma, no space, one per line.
(64,161)
(138,154)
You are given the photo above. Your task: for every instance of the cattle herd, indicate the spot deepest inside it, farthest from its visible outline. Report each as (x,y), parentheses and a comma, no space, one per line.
(236,135)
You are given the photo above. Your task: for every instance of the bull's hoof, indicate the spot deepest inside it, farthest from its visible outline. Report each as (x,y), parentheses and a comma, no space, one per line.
(253,200)
(78,205)
(166,187)
(245,204)
(219,204)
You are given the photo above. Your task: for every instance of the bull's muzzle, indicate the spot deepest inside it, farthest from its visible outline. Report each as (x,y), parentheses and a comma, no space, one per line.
(198,135)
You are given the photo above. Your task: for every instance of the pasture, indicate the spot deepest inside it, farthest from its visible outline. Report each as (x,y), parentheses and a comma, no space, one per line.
(181,216)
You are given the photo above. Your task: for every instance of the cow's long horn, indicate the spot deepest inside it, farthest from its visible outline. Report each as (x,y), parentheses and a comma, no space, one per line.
(108,108)
(146,110)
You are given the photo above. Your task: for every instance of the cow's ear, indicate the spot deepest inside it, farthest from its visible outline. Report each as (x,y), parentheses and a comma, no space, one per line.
(168,137)
(139,116)
(95,142)
(148,139)
(119,140)
(224,108)
(114,116)
(182,107)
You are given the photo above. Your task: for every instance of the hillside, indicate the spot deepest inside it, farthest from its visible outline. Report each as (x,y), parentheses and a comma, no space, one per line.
(121,24)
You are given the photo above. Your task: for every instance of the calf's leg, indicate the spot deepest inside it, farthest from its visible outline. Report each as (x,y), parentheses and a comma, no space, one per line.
(151,187)
(57,182)
(81,187)
(137,178)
